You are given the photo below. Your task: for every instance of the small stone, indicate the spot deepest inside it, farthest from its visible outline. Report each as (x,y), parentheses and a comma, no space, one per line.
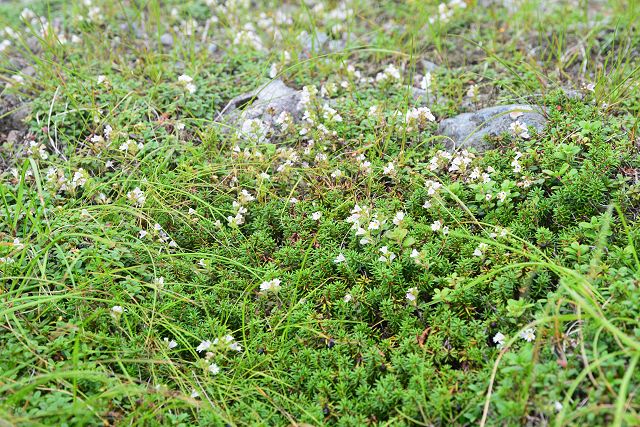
(428,66)
(166,39)
(13,137)
(266,103)
(312,42)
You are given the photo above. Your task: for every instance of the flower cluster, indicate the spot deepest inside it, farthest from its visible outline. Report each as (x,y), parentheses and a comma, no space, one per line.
(240,209)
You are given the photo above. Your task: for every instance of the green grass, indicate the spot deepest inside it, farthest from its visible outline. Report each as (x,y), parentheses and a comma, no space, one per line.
(132,196)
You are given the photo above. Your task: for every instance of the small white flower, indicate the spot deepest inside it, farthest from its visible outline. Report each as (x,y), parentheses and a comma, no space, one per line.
(316,215)
(142,234)
(374,224)
(235,346)
(472,92)
(479,252)
(117,310)
(214,369)
(347,298)
(17,244)
(557,406)
(412,295)
(528,334)
(202,263)
(273,71)
(340,258)
(436,226)
(499,339)
(194,394)
(170,343)
(270,286)
(389,169)
(398,218)
(204,345)
(137,196)
(519,129)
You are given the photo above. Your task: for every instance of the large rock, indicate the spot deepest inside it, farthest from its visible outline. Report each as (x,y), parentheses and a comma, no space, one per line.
(266,103)
(468,130)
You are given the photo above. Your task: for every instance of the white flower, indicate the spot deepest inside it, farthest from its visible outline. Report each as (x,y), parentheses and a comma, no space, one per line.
(142,234)
(389,169)
(340,258)
(499,339)
(412,295)
(426,81)
(479,252)
(330,114)
(519,129)
(387,256)
(137,196)
(347,298)
(202,263)
(170,343)
(17,244)
(187,83)
(398,218)
(194,394)
(214,369)
(528,334)
(502,196)
(472,92)
(557,406)
(273,71)
(245,197)
(117,310)
(437,225)
(204,345)
(316,215)
(270,286)
(159,282)
(374,224)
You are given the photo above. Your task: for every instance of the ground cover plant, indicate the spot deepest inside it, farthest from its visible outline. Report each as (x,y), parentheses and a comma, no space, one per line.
(272,213)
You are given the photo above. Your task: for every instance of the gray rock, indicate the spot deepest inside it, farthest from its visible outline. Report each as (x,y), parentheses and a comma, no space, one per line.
(314,41)
(336,45)
(166,39)
(28,71)
(13,137)
(266,103)
(428,66)
(469,129)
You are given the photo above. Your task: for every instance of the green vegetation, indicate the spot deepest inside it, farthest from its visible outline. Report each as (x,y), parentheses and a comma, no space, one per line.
(167,260)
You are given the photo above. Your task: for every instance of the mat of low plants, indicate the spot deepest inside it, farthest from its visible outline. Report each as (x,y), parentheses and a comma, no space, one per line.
(349,213)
